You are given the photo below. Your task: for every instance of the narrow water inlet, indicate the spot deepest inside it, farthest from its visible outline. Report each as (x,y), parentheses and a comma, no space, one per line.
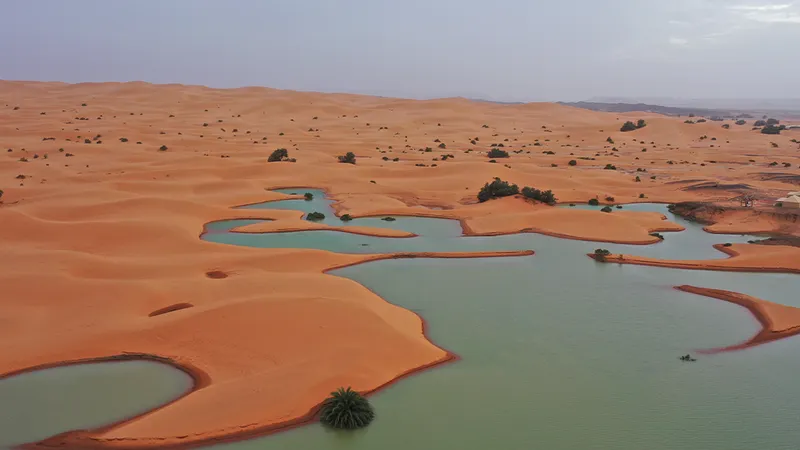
(40,404)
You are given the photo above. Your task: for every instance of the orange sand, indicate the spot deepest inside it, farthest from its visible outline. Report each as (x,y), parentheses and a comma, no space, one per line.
(743,258)
(92,244)
(777,321)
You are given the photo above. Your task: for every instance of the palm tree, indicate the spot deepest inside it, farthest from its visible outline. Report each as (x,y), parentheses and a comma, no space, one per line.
(346,409)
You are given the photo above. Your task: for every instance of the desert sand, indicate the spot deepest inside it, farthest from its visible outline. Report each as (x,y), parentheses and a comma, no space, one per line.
(101,253)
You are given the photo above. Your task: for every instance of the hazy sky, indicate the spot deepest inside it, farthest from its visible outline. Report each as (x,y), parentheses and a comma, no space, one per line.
(510,50)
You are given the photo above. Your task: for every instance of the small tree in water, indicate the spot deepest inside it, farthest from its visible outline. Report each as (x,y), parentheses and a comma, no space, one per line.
(346,409)
(600,254)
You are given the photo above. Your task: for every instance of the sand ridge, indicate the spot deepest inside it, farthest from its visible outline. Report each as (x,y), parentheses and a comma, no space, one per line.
(98,236)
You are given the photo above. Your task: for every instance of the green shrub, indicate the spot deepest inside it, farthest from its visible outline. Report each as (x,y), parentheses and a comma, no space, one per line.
(741,122)
(610,167)
(760,123)
(442,145)
(123,139)
(348,158)
(641,123)
(628,126)
(542,196)
(308,196)
(497,153)
(609,140)
(606,209)
(163,148)
(641,195)
(278,155)
(389,219)
(315,216)
(594,202)
(772,121)
(345,218)
(572,162)
(346,409)
(497,188)
(771,129)
(658,235)
(1,193)
(600,254)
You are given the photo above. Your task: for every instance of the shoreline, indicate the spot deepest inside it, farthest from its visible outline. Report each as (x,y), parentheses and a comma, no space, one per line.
(768,333)
(89,439)
(700,264)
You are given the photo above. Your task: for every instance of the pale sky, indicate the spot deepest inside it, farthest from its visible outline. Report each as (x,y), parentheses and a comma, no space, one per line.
(509,50)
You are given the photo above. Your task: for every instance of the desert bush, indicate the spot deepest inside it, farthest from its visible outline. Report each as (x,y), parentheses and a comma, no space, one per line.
(594,202)
(771,129)
(541,196)
(388,219)
(572,162)
(308,196)
(628,126)
(726,126)
(760,123)
(346,409)
(600,254)
(497,188)
(772,121)
(741,122)
(163,148)
(348,158)
(641,123)
(610,167)
(278,155)
(345,218)
(606,209)
(658,235)
(497,153)
(313,216)
(442,145)
(123,139)
(701,120)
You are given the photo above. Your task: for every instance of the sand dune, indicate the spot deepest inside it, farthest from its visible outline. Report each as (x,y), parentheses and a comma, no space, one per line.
(97,236)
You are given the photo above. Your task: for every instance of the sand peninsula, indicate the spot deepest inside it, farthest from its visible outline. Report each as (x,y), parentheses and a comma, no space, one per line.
(107,187)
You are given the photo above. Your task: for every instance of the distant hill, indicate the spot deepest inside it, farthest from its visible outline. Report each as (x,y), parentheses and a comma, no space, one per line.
(666,110)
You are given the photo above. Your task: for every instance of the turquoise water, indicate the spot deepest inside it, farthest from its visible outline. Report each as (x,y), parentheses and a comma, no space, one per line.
(37,405)
(558,351)
(561,352)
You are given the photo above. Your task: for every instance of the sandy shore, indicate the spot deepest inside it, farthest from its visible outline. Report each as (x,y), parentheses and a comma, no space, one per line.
(742,258)
(99,240)
(777,321)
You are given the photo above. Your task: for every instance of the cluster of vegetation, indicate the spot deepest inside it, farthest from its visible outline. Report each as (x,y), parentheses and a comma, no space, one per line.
(497,188)
(572,162)
(773,129)
(610,167)
(163,148)
(308,196)
(497,153)
(658,235)
(541,196)
(594,202)
(606,209)
(741,122)
(346,409)
(315,216)
(601,254)
(348,158)
(279,154)
(630,126)
(346,218)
